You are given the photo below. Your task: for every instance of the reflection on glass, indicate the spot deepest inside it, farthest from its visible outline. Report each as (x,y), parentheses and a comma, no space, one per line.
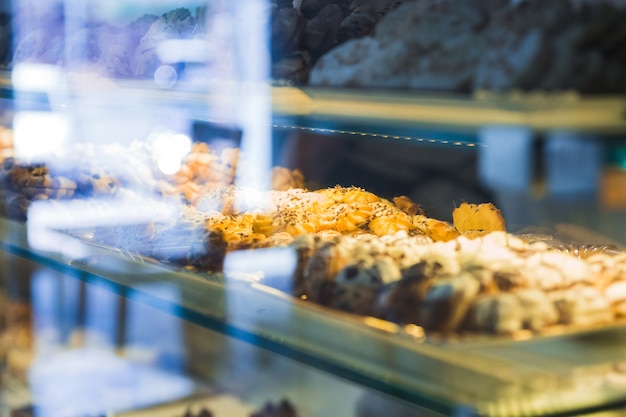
(38,135)
(274,266)
(169,149)
(36,77)
(80,331)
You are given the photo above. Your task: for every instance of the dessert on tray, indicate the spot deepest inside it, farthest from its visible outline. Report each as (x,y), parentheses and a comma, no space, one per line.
(356,251)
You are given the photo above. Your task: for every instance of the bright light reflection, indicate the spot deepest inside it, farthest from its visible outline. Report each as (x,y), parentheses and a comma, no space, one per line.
(169,149)
(47,220)
(39,134)
(36,77)
(254,95)
(276,266)
(168,165)
(165,76)
(184,50)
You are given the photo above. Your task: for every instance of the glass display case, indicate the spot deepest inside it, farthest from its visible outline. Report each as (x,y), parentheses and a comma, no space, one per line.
(312,208)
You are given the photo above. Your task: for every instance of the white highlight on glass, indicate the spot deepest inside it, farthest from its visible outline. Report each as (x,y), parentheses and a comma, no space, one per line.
(165,76)
(39,134)
(184,50)
(37,77)
(169,149)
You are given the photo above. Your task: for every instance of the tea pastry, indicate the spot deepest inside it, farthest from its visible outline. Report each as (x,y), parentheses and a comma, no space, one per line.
(495,313)
(305,246)
(411,41)
(615,293)
(95,180)
(36,181)
(322,30)
(357,285)
(607,268)
(537,45)
(284,179)
(358,23)
(508,312)
(388,219)
(582,306)
(322,268)
(287,29)
(399,301)
(446,302)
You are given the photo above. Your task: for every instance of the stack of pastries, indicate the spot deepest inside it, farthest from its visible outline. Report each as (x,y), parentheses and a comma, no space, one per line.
(356,251)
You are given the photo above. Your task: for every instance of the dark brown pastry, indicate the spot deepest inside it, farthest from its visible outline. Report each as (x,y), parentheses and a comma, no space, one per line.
(555,45)
(202,412)
(399,301)
(286,31)
(446,303)
(357,285)
(292,68)
(358,23)
(321,270)
(282,409)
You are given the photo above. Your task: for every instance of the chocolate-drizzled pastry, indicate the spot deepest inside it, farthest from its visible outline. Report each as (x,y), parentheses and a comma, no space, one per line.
(304,245)
(446,303)
(357,285)
(495,313)
(208,253)
(508,312)
(399,301)
(320,272)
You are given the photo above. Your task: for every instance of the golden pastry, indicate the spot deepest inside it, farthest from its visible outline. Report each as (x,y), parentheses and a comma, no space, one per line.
(474,220)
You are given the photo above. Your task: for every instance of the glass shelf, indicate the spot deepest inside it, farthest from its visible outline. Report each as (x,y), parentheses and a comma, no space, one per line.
(558,374)
(384,114)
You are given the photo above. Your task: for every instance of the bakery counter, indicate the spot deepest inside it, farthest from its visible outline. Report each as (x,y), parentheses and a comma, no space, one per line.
(566,370)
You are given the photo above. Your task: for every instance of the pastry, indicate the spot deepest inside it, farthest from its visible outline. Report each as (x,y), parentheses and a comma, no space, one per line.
(414,44)
(615,293)
(582,306)
(283,408)
(356,285)
(508,312)
(202,412)
(552,46)
(485,45)
(446,302)
(322,268)
(95,180)
(286,31)
(477,219)
(497,313)
(399,301)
